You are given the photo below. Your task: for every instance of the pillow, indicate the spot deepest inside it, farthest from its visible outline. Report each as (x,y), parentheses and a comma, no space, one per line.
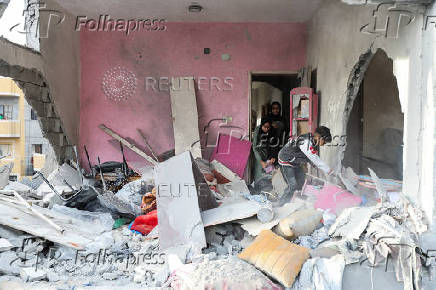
(276,257)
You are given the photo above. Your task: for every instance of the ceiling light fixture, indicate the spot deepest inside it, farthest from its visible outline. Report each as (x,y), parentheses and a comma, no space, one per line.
(195,8)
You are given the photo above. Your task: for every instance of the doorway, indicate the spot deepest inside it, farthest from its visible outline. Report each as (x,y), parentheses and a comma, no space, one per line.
(266,88)
(375,126)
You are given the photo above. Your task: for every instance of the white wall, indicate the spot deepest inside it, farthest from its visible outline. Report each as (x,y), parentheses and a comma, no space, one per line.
(334,45)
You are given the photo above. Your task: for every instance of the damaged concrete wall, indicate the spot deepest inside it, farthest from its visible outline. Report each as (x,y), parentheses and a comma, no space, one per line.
(59,45)
(338,35)
(382,119)
(428,133)
(145,58)
(382,108)
(50,79)
(26,67)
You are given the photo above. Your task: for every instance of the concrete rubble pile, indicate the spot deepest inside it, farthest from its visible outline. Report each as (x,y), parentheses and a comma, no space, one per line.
(74,228)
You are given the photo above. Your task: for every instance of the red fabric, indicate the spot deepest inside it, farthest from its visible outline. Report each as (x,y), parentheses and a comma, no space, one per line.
(209,177)
(145,223)
(220,178)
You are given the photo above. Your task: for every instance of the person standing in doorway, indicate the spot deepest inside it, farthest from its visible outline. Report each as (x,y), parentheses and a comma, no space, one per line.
(262,149)
(297,152)
(278,125)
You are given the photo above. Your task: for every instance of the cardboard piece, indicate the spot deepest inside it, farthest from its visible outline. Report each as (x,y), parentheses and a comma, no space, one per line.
(185,116)
(179,216)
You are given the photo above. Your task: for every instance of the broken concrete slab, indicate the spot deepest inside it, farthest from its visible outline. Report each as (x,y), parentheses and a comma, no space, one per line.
(57,177)
(178,209)
(230,212)
(14,236)
(352,222)
(185,116)
(253,226)
(30,274)
(18,187)
(77,233)
(8,263)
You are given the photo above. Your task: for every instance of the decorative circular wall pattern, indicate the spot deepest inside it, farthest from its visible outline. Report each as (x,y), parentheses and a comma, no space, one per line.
(119,83)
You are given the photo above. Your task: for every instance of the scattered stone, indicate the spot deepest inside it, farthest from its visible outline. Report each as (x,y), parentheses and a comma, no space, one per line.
(9,263)
(247,240)
(110,276)
(18,187)
(29,274)
(52,276)
(212,236)
(5,245)
(238,232)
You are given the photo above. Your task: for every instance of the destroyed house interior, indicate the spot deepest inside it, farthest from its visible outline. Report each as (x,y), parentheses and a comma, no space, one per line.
(285,144)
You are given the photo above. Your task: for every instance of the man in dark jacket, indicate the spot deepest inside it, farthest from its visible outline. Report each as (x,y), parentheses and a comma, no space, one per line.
(298,151)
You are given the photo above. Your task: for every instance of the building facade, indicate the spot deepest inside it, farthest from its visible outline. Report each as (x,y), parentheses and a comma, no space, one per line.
(21,138)
(12,127)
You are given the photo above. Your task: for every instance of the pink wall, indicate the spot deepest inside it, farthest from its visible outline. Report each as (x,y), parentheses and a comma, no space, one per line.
(177,51)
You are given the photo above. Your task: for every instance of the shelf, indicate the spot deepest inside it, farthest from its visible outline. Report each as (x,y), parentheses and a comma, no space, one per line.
(301,119)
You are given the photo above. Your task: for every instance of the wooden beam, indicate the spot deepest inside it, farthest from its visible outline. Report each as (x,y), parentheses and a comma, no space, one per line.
(127,144)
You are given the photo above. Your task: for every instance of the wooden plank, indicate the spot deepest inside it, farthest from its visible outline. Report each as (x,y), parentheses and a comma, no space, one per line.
(185,116)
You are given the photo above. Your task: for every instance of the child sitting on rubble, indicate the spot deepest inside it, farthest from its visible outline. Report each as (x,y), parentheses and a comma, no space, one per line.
(297,152)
